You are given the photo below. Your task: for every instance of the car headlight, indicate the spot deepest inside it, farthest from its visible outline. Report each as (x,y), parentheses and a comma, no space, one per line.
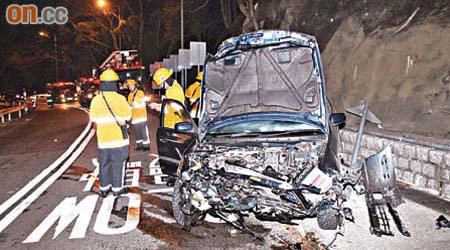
(89,96)
(62,95)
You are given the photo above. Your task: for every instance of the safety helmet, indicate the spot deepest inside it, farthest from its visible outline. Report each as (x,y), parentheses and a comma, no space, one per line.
(130,82)
(161,75)
(109,75)
(199,76)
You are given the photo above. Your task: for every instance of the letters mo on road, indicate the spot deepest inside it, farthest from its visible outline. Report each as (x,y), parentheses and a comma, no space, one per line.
(28,14)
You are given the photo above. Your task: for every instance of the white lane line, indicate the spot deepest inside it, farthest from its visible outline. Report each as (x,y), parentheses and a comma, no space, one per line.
(11,216)
(30,185)
(159,190)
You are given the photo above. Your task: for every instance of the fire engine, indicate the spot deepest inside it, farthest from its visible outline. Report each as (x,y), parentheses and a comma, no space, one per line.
(63,92)
(127,65)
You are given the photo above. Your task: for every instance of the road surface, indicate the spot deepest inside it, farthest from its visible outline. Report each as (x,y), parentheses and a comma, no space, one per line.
(34,143)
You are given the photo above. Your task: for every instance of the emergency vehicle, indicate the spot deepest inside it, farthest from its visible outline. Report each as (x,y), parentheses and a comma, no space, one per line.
(63,92)
(126,63)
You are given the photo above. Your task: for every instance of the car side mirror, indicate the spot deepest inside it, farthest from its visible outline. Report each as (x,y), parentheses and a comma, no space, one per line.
(338,119)
(184,127)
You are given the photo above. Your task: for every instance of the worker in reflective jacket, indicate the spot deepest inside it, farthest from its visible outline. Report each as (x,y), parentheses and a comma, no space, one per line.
(163,78)
(193,95)
(109,111)
(137,100)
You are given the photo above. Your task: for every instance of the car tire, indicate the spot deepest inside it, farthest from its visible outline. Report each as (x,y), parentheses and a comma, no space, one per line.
(177,201)
(187,221)
(328,218)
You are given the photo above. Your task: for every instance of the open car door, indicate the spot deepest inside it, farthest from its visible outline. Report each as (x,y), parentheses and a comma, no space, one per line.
(176,134)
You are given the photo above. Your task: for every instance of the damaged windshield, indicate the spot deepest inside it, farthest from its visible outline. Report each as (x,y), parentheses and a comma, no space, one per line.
(264,127)
(266,123)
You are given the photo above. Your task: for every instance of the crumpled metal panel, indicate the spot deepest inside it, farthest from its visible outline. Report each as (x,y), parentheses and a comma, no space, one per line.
(269,79)
(380,176)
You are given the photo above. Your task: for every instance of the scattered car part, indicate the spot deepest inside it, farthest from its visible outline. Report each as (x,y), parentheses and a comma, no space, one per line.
(442,222)
(379,181)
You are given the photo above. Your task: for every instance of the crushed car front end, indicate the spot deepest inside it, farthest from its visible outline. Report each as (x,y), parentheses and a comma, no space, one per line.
(268,142)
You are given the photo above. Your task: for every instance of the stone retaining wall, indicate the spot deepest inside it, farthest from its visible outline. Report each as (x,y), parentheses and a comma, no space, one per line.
(421,166)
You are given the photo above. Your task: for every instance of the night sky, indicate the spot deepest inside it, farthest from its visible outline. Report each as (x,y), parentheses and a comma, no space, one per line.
(85,41)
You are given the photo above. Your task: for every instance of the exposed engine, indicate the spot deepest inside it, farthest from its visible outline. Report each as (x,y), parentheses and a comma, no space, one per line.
(273,183)
(280,184)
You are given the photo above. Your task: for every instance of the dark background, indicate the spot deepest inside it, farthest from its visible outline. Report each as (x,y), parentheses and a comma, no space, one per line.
(27,59)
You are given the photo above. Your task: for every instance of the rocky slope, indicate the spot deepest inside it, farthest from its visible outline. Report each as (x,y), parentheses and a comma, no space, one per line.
(394,53)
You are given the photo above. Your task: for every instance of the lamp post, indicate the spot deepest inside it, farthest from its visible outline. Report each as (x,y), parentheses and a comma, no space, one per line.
(182,23)
(183,72)
(55,42)
(102,4)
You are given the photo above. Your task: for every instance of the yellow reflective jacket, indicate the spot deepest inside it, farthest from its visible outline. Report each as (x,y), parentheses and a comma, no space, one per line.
(109,134)
(193,94)
(172,117)
(138,106)
(175,92)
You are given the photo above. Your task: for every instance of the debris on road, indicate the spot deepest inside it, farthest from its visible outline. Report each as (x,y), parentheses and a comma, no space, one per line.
(442,222)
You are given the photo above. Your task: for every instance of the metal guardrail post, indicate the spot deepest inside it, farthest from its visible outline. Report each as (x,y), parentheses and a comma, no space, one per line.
(12,110)
(357,147)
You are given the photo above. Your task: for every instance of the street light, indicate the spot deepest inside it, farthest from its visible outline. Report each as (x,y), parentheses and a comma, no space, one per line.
(55,42)
(42,33)
(102,4)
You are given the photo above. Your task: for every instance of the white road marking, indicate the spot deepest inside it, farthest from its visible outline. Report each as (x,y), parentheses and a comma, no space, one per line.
(155,170)
(90,178)
(162,197)
(159,190)
(132,175)
(153,162)
(154,167)
(135,174)
(95,162)
(164,219)
(134,164)
(10,217)
(65,213)
(36,180)
(159,179)
(101,224)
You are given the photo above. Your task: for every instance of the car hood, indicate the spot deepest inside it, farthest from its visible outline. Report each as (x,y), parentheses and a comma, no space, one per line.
(265,71)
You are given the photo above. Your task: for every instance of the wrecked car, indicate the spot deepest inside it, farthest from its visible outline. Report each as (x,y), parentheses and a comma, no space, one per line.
(267,142)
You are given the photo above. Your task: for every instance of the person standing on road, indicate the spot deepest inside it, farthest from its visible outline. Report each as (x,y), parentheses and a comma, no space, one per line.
(110,111)
(136,99)
(193,96)
(163,78)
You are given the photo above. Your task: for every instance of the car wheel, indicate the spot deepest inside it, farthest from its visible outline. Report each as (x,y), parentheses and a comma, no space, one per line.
(185,214)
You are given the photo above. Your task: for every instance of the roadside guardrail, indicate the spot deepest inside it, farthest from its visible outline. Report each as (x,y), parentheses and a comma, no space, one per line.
(9,111)
(424,164)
